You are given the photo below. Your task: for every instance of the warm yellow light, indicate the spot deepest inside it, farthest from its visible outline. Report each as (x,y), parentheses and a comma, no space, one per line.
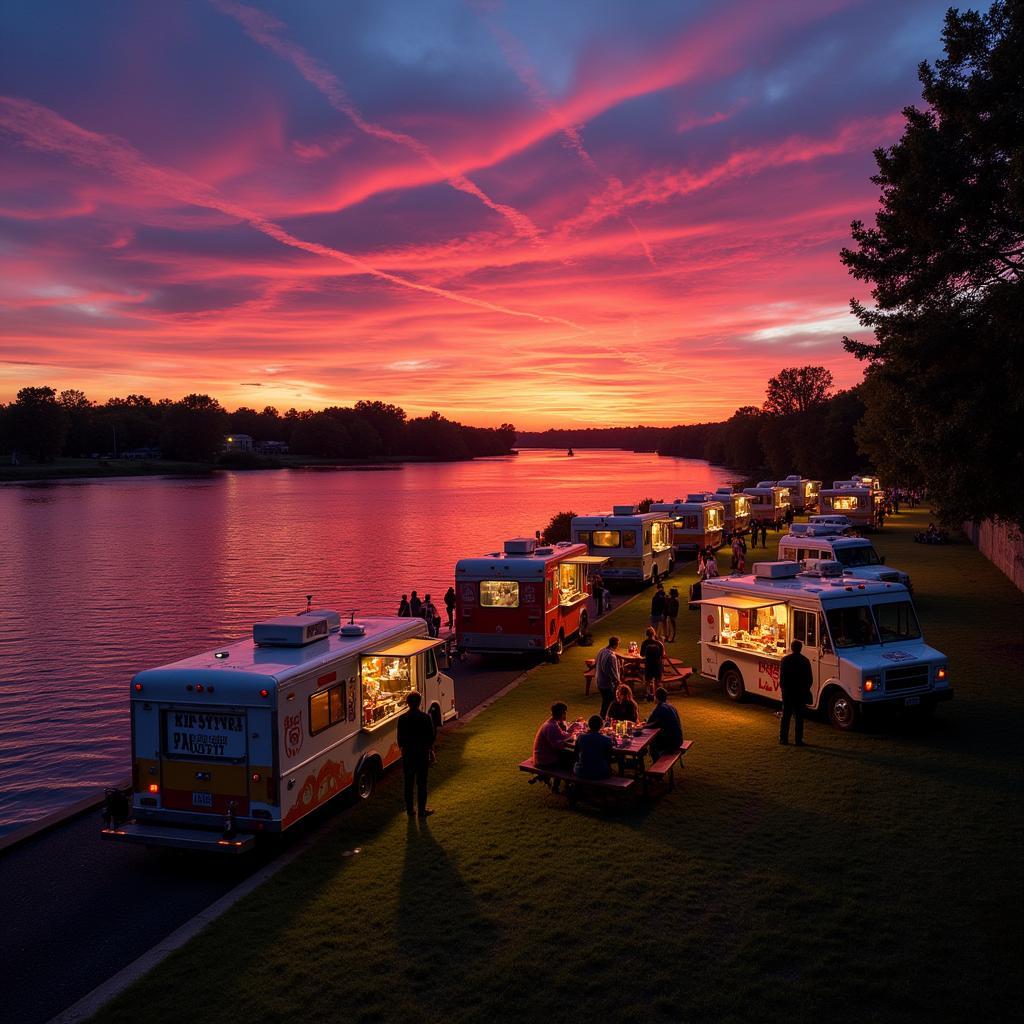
(154,788)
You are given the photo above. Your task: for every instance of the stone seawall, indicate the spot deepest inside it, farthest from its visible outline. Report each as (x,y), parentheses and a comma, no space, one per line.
(1002,544)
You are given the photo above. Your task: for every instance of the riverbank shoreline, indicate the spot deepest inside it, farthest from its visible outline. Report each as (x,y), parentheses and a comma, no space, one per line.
(103,469)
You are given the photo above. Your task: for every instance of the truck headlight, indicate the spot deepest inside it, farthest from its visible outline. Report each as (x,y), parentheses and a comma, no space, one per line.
(940,675)
(870,684)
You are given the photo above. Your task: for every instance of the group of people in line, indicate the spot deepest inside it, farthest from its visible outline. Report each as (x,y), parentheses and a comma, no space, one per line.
(414,607)
(590,756)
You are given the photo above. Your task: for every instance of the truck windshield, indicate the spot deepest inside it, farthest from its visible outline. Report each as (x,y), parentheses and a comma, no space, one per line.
(897,622)
(862,554)
(851,626)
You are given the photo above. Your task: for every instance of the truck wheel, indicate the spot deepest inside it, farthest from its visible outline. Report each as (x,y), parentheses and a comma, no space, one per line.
(557,650)
(842,710)
(366,780)
(733,683)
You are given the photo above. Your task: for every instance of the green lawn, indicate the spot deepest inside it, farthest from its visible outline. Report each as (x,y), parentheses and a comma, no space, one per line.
(871,876)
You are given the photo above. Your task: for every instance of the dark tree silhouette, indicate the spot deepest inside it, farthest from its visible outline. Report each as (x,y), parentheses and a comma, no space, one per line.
(38,424)
(797,389)
(945,256)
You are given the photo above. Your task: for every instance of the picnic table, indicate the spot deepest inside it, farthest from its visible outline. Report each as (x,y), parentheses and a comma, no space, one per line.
(675,672)
(629,751)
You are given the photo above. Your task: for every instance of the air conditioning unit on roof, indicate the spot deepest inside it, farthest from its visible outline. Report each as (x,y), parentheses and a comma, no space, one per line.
(520,546)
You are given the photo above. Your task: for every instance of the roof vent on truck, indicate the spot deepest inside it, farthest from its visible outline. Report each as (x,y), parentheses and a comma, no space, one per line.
(623,510)
(520,546)
(775,570)
(696,497)
(294,630)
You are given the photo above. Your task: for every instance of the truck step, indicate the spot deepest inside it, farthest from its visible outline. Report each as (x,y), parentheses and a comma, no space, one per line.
(180,838)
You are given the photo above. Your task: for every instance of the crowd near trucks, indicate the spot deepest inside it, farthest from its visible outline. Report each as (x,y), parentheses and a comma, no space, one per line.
(862,639)
(698,522)
(810,544)
(637,545)
(768,501)
(252,737)
(526,597)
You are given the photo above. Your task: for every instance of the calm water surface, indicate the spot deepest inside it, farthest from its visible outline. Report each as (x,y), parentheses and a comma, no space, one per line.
(99,579)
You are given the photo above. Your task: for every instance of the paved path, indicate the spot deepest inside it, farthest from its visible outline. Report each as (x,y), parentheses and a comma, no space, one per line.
(74,910)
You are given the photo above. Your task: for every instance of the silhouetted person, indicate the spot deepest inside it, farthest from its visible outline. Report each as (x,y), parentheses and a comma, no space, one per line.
(449,604)
(403,607)
(594,751)
(416,735)
(415,606)
(795,680)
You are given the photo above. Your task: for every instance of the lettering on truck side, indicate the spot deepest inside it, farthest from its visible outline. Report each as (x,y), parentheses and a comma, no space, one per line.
(768,676)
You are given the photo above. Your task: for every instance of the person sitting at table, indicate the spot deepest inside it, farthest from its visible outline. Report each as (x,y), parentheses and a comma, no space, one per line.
(653,651)
(595,752)
(624,707)
(549,745)
(665,719)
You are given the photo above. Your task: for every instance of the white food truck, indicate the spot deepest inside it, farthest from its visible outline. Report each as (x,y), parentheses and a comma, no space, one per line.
(251,737)
(768,501)
(527,597)
(803,493)
(862,639)
(635,543)
(698,522)
(859,503)
(737,510)
(809,544)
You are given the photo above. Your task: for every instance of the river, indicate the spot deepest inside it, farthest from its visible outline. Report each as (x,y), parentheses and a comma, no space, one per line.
(99,579)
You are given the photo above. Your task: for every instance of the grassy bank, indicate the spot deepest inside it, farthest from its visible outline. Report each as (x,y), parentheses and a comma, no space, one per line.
(75,469)
(871,876)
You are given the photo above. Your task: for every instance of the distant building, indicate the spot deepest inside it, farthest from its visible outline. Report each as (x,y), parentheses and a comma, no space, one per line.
(238,443)
(271,448)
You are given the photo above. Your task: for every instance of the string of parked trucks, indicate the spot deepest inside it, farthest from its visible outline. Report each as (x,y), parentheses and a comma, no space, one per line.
(252,737)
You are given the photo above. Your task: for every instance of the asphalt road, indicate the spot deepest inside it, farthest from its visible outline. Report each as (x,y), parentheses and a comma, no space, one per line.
(75,910)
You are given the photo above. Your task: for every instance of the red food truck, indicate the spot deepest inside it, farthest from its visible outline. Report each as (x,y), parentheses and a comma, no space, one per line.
(527,597)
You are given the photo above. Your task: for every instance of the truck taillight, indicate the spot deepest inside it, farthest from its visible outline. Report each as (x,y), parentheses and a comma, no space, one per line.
(264,693)
(154,788)
(138,687)
(256,776)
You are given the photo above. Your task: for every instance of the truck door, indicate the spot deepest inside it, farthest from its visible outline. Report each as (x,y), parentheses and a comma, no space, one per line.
(806,630)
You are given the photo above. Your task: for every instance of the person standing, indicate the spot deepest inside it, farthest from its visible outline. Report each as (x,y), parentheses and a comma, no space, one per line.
(597,589)
(671,614)
(415,606)
(653,652)
(606,673)
(403,607)
(764,533)
(431,615)
(449,603)
(796,679)
(753,533)
(658,610)
(416,735)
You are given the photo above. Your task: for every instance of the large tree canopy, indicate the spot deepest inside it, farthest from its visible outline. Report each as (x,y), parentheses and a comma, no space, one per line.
(945,259)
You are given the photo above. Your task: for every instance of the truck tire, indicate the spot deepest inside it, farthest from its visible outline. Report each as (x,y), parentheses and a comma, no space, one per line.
(555,654)
(366,780)
(843,711)
(732,680)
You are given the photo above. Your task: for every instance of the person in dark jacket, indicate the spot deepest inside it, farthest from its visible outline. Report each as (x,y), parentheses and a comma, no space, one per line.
(415,606)
(594,751)
(666,720)
(449,604)
(403,607)
(416,734)
(658,610)
(653,652)
(795,680)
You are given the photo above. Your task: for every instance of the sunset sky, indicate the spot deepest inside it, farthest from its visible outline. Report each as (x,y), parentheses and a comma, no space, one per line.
(589,212)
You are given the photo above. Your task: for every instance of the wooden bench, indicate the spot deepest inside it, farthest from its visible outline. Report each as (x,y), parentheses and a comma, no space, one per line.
(666,764)
(574,784)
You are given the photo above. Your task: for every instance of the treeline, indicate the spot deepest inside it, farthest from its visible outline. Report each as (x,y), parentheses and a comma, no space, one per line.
(635,439)
(42,425)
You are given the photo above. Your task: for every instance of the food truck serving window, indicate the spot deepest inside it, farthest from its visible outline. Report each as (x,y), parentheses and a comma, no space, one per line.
(760,629)
(387,681)
(661,536)
(499,594)
(570,583)
(845,502)
(608,539)
(714,518)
